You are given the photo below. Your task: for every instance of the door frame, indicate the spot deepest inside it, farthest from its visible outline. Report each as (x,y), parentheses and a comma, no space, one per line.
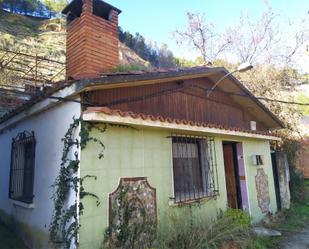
(236,171)
(276,179)
(246,206)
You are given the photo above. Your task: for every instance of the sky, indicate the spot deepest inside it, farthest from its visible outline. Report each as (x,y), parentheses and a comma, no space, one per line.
(156,20)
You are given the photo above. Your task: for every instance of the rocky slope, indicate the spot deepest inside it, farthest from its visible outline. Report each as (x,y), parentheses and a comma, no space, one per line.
(41,37)
(45,37)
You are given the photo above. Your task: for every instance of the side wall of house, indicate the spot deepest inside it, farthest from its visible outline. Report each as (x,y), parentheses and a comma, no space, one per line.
(49,127)
(147,153)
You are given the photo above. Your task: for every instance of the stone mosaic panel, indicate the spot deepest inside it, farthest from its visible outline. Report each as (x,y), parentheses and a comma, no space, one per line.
(262,189)
(132,214)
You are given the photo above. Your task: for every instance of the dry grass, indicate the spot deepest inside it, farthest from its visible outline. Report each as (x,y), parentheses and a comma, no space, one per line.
(227,231)
(29,35)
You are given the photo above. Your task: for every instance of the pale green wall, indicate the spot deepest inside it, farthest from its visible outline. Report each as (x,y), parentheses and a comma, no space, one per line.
(147,152)
(254,147)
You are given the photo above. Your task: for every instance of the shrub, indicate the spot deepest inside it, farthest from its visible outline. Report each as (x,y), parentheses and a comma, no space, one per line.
(297,186)
(297,183)
(127,68)
(238,216)
(183,231)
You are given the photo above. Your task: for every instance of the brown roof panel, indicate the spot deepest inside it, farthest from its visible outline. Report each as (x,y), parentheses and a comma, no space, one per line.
(162,119)
(121,79)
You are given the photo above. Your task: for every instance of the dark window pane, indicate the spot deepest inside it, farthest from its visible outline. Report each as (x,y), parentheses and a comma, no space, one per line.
(22,167)
(192,168)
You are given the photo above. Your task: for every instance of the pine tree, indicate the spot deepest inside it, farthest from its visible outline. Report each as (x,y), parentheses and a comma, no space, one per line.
(55,5)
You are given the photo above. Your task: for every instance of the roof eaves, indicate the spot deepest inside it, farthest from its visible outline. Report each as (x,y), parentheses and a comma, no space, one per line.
(258,102)
(123,78)
(146,76)
(110,79)
(164,121)
(33,101)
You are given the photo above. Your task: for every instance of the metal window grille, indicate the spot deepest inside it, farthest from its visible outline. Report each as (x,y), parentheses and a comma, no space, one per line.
(194,168)
(22,167)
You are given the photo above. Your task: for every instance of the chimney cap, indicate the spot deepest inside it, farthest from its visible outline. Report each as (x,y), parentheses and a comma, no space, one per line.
(76,7)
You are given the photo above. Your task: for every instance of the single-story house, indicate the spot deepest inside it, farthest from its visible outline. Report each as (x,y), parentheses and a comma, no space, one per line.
(154,140)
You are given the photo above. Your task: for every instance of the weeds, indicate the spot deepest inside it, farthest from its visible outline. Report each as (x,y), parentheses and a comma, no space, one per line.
(297,183)
(126,68)
(260,242)
(297,217)
(199,233)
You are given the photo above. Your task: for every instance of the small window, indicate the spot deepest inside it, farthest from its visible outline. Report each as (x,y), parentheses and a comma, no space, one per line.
(22,167)
(194,168)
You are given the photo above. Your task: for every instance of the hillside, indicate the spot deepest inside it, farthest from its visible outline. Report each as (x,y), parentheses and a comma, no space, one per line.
(45,37)
(39,38)
(32,35)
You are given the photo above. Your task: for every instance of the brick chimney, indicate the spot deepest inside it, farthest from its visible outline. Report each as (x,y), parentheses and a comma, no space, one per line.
(92,38)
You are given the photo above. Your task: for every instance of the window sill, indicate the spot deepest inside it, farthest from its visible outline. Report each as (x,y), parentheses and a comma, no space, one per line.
(23,204)
(201,200)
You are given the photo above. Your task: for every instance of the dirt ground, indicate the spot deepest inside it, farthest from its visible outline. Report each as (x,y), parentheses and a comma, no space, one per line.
(297,240)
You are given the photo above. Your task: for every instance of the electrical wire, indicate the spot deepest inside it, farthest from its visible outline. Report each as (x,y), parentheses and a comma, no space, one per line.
(283,102)
(253,97)
(134,99)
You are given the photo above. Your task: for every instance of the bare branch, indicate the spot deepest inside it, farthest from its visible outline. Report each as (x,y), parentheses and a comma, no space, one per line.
(201,36)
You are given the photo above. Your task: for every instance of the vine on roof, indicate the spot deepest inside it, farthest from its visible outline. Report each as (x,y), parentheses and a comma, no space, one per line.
(64,226)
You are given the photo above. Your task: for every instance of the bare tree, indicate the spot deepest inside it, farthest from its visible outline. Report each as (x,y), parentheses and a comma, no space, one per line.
(273,51)
(261,42)
(201,36)
(264,41)
(251,40)
(294,43)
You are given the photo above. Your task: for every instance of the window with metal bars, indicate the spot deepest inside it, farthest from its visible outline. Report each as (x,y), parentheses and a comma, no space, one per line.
(22,167)
(194,168)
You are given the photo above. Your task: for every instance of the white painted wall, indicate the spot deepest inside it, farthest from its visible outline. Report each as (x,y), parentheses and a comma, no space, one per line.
(49,127)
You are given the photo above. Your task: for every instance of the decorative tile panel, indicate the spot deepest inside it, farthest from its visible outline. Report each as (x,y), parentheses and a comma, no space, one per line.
(261,182)
(132,214)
